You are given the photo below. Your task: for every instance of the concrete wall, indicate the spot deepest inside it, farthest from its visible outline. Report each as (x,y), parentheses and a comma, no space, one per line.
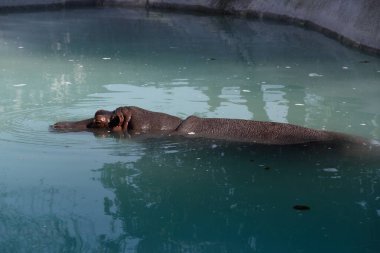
(353,22)
(11,4)
(357,21)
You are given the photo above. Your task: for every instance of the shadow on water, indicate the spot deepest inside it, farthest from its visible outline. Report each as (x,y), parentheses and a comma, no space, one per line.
(197,195)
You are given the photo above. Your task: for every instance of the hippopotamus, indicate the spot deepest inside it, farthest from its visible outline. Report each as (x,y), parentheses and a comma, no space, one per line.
(132,120)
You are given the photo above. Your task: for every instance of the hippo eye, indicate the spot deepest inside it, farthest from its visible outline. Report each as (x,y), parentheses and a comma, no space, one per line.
(100,121)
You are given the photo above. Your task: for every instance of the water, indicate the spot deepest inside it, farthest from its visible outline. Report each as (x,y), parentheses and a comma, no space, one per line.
(76,192)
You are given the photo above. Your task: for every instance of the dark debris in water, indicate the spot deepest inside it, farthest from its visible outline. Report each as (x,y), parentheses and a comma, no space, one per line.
(301,207)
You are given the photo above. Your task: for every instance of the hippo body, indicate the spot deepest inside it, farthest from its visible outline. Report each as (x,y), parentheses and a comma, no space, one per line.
(133,120)
(141,120)
(251,131)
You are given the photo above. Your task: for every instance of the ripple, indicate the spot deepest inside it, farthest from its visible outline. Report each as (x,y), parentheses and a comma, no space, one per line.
(32,126)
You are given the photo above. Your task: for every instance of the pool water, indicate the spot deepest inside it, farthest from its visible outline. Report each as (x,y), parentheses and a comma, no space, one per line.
(77,192)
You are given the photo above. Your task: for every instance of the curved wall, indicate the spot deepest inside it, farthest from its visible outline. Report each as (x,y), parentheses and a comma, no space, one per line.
(17,4)
(353,22)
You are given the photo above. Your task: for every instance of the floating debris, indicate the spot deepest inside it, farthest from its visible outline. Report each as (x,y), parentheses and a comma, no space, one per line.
(252,243)
(190,133)
(20,85)
(299,104)
(314,75)
(149,205)
(332,170)
(301,207)
(362,203)
(246,91)
(344,67)
(106,58)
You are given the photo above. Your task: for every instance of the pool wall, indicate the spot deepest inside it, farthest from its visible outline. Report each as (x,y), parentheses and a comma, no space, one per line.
(17,4)
(352,22)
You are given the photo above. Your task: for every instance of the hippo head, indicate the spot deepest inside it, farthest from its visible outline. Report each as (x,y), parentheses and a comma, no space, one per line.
(102,120)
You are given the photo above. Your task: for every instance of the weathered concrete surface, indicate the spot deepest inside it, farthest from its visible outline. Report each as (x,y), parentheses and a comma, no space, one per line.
(45,3)
(353,22)
(358,21)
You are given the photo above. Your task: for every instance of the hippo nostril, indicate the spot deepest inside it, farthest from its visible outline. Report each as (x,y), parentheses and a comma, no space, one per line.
(98,124)
(57,125)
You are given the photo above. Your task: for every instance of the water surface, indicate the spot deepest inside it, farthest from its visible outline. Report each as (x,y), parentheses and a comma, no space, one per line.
(76,192)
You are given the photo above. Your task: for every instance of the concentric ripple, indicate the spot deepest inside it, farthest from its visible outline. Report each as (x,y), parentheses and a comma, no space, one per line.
(32,126)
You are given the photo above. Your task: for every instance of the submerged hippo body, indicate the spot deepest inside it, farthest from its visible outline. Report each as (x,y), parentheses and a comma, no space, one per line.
(134,120)
(255,131)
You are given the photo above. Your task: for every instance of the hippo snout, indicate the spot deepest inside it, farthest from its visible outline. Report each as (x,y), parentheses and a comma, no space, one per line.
(60,125)
(72,125)
(63,126)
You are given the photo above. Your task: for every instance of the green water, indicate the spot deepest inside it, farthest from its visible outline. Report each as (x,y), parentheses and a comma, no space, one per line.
(76,192)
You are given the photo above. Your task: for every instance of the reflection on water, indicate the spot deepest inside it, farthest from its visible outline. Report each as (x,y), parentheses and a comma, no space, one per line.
(276,106)
(175,194)
(74,192)
(245,196)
